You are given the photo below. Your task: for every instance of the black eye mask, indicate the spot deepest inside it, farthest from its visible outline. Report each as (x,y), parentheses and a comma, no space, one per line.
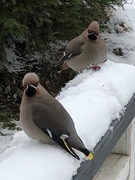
(31,90)
(92,35)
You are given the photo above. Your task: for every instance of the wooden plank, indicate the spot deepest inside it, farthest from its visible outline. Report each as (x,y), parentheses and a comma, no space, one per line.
(132,152)
(126,146)
(116,167)
(123,146)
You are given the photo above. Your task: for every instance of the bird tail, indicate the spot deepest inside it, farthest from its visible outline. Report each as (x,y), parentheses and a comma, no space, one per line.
(87,153)
(59,62)
(64,58)
(61,142)
(90,156)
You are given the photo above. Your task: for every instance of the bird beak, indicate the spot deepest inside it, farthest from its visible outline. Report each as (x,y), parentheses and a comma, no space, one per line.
(29,85)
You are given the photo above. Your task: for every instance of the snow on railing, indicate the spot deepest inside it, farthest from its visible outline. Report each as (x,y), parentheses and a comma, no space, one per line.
(115,153)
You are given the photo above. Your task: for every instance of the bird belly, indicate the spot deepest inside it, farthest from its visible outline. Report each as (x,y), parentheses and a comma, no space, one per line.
(85,60)
(79,64)
(32,131)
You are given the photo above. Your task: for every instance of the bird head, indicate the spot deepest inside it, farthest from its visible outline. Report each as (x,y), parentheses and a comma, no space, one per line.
(30,83)
(93,30)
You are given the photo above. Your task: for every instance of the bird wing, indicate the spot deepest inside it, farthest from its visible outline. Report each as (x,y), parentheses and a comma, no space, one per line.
(50,122)
(74,48)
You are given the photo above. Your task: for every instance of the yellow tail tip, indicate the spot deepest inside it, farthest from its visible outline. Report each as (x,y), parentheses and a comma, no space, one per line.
(90,156)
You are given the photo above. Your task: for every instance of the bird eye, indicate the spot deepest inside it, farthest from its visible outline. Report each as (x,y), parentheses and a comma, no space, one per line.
(34,85)
(96,33)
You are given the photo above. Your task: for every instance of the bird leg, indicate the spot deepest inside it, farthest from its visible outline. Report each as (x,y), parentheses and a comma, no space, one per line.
(95,68)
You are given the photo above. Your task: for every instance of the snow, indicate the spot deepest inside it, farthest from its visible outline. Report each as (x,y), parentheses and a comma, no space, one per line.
(124,22)
(94,100)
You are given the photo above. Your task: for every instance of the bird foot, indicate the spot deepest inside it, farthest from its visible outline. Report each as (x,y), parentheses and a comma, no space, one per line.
(95,68)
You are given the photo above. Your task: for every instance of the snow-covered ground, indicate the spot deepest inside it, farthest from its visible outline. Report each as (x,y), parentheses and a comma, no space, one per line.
(121,36)
(93,99)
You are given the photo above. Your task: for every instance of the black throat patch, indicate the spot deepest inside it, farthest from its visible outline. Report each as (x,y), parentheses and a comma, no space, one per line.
(31,91)
(92,36)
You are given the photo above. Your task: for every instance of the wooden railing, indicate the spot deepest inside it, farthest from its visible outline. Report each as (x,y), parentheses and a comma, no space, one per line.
(114,155)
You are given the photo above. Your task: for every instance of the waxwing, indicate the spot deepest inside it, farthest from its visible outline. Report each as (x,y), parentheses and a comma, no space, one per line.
(44,118)
(87,50)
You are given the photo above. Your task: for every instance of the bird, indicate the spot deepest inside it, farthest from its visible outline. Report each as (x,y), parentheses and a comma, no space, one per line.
(44,118)
(87,50)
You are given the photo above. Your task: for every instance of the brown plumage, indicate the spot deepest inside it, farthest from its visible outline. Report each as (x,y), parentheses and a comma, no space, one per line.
(42,117)
(86,50)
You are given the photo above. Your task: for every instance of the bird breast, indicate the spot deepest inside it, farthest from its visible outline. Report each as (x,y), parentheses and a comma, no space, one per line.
(31,129)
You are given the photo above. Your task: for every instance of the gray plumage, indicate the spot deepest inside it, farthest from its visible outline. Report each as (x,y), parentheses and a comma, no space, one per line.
(42,117)
(86,50)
